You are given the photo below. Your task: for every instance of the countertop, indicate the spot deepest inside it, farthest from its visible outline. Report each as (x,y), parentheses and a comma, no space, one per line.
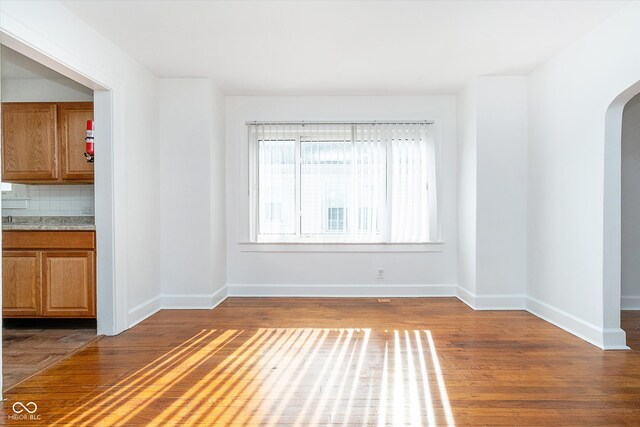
(48,223)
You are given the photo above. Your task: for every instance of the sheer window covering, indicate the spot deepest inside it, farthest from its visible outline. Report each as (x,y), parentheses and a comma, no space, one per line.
(343,183)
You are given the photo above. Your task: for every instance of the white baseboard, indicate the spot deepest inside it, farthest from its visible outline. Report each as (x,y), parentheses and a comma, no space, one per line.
(204,301)
(630,303)
(341,291)
(607,339)
(614,339)
(466,297)
(168,301)
(140,312)
(587,331)
(490,302)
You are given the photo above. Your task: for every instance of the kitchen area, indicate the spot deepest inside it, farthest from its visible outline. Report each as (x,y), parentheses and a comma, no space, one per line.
(48,226)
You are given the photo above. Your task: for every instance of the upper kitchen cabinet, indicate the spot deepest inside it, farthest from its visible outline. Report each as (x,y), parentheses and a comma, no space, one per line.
(43,142)
(29,142)
(72,124)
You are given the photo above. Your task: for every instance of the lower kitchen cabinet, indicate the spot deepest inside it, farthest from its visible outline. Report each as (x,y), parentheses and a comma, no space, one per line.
(48,274)
(21,283)
(68,285)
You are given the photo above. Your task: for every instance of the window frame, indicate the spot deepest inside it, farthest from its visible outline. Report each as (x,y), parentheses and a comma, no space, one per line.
(302,242)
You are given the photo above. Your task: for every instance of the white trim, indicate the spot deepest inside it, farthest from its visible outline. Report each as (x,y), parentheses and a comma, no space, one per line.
(338,247)
(147,309)
(630,303)
(500,302)
(614,339)
(338,122)
(111,291)
(175,302)
(466,296)
(197,302)
(575,326)
(608,339)
(490,302)
(341,291)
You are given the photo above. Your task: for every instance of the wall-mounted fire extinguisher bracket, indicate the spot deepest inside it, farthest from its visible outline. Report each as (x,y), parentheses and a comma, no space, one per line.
(88,142)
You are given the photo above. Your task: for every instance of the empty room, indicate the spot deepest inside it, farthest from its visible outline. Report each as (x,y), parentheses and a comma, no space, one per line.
(305,213)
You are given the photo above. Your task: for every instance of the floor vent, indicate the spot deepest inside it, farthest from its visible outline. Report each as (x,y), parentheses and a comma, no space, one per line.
(384,300)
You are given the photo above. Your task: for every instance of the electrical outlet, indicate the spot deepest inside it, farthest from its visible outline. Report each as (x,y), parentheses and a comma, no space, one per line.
(381,274)
(87,210)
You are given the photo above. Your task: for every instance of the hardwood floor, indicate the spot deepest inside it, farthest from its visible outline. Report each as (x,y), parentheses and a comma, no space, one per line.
(278,361)
(29,350)
(630,323)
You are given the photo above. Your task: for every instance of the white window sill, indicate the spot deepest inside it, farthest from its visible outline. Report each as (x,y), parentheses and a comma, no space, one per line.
(340,247)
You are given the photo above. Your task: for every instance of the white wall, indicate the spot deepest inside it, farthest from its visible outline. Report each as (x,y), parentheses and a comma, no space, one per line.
(44,90)
(631,205)
(573,263)
(312,273)
(492,185)
(218,176)
(192,213)
(467,188)
(127,194)
(502,188)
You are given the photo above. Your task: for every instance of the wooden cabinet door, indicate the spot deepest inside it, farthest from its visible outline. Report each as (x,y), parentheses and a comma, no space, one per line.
(68,284)
(29,148)
(21,283)
(72,125)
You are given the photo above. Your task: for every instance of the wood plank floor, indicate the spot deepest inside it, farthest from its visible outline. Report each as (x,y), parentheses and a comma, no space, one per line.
(29,350)
(630,322)
(278,362)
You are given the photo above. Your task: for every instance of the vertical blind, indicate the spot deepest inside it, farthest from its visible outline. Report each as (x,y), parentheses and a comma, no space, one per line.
(343,182)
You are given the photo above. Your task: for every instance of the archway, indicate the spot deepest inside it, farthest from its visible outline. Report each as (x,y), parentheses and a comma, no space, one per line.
(630,231)
(614,336)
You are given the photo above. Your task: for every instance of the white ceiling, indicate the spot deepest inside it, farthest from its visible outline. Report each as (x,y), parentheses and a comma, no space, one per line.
(342,47)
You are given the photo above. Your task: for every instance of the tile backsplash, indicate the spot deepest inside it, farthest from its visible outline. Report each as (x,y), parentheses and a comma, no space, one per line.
(49,200)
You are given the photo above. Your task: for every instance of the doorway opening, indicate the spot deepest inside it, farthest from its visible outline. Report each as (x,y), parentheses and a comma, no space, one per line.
(60,266)
(48,223)
(617,333)
(630,223)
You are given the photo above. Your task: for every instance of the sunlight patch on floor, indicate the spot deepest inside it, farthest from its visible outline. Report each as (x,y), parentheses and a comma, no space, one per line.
(274,376)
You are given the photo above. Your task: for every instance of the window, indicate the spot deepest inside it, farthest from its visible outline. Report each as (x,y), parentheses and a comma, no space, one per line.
(343,182)
(273,211)
(336,220)
(277,168)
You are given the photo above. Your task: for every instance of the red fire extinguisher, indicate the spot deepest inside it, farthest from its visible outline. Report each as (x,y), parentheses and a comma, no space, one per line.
(88,140)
